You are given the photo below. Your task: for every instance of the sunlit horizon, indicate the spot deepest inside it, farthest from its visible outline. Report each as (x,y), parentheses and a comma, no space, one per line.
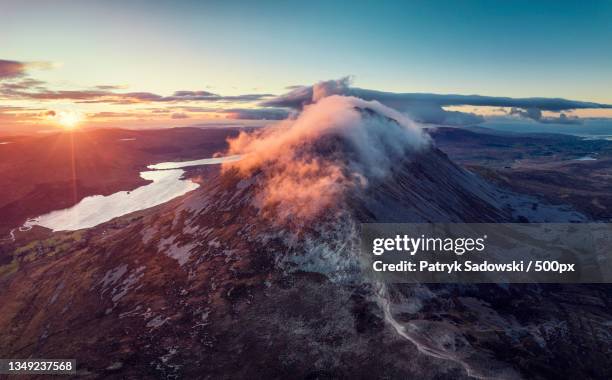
(165,65)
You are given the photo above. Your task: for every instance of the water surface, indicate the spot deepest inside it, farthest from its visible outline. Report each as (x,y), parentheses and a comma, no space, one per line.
(167,184)
(185,164)
(97,209)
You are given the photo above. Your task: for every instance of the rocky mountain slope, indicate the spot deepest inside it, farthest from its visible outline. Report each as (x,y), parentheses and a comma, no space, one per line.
(255,274)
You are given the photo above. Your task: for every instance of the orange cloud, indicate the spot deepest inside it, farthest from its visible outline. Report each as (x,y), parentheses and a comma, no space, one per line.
(334,145)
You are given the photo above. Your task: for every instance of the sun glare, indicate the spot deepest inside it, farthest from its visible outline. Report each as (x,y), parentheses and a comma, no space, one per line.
(68,119)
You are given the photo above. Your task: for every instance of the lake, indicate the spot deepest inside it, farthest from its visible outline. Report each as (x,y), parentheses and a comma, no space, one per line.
(167,184)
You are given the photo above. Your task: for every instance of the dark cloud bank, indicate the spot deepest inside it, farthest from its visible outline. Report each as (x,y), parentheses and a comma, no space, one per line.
(427,108)
(422,107)
(11,69)
(17,84)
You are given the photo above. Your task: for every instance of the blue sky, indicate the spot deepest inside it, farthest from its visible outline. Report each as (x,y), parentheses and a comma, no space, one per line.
(143,52)
(515,48)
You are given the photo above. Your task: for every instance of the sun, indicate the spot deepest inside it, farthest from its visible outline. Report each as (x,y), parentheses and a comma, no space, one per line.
(68,119)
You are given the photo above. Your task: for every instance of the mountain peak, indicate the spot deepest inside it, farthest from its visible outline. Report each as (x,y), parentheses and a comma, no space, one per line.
(335,145)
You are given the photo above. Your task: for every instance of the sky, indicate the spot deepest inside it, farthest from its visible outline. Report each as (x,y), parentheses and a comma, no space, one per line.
(517,49)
